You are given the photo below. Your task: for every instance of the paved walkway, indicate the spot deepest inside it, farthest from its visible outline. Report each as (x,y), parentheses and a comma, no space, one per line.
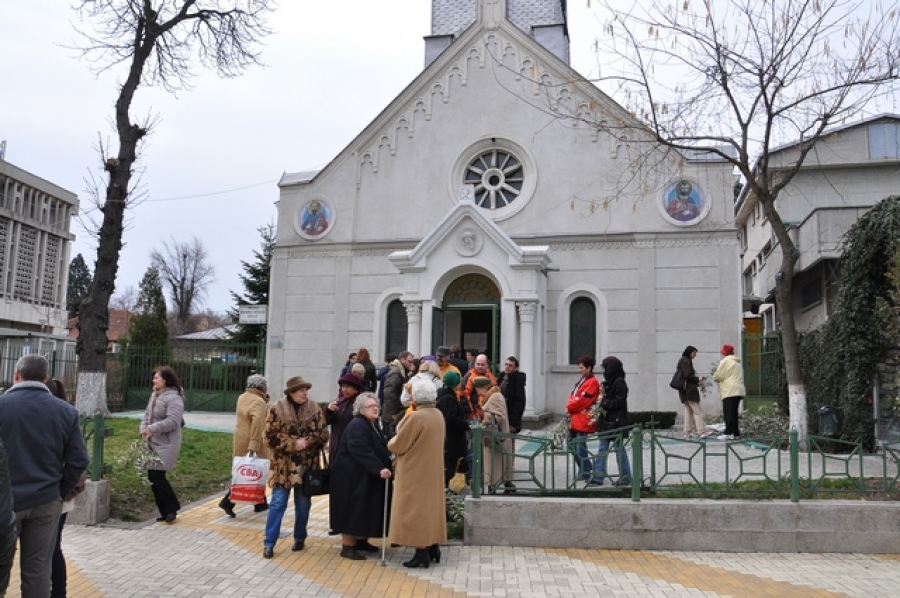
(207,554)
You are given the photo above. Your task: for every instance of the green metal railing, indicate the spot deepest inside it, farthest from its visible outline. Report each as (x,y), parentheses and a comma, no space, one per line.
(760,467)
(95,433)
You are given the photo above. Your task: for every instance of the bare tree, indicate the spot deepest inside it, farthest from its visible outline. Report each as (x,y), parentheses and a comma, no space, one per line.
(185,271)
(157,43)
(738,78)
(126,299)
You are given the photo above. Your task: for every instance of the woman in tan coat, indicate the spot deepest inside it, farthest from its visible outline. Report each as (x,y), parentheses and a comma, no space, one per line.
(491,400)
(249,424)
(418,512)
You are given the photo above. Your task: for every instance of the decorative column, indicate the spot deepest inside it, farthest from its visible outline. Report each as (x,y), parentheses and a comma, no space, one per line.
(413,326)
(527,312)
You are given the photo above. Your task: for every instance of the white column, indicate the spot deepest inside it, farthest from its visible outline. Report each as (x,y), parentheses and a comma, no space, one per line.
(413,326)
(527,312)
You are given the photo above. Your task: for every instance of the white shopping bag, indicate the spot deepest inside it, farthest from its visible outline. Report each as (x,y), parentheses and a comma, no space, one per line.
(248,479)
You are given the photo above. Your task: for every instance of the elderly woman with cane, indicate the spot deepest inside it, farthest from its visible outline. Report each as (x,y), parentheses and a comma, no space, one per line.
(418,514)
(359,473)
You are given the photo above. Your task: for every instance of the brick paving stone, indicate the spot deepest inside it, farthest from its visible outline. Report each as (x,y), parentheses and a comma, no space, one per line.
(207,554)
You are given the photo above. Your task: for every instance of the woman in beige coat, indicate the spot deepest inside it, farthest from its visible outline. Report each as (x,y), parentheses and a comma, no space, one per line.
(249,425)
(418,512)
(495,414)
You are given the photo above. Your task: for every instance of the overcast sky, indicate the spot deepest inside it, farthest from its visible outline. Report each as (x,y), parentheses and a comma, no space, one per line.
(211,164)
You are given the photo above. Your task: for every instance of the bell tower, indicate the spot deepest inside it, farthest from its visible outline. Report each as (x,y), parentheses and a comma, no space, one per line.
(544,20)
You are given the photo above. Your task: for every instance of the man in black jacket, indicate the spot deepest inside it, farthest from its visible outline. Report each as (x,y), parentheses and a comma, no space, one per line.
(47,456)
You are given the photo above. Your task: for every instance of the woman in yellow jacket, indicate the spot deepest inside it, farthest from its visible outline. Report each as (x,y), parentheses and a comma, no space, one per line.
(730,378)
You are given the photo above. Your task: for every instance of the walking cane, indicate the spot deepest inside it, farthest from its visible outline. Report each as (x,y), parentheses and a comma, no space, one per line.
(384,524)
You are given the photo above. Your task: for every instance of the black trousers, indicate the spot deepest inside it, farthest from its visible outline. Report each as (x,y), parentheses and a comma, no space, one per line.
(58,569)
(163,494)
(730,413)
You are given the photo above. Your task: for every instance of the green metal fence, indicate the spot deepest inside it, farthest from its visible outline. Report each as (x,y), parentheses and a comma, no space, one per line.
(213,376)
(666,465)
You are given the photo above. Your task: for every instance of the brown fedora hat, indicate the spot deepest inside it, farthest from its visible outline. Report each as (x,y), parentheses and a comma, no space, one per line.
(296,383)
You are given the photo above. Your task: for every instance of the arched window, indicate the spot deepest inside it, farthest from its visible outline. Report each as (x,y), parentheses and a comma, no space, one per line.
(395,339)
(582,328)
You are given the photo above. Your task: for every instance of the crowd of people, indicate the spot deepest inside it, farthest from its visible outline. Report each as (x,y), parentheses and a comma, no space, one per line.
(392,438)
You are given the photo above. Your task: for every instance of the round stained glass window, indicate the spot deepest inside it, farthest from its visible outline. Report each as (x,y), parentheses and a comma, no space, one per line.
(497,176)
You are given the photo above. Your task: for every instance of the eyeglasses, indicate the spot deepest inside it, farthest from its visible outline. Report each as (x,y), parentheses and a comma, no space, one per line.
(373,406)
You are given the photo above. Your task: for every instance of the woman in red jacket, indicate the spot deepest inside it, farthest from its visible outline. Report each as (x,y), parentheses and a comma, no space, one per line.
(583,396)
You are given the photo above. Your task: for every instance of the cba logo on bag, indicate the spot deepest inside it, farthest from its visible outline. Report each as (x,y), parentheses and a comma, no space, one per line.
(249,473)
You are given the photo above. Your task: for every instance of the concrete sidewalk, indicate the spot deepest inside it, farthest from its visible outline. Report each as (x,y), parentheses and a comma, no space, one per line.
(207,554)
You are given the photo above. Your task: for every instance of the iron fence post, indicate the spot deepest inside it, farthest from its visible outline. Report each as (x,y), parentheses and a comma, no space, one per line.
(637,464)
(477,464)
(97,453)
(795,465)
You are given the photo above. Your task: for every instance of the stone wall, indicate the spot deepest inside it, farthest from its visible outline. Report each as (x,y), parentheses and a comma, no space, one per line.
(691,525)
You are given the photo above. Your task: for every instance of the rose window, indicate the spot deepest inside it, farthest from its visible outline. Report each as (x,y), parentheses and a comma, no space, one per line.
(497,176)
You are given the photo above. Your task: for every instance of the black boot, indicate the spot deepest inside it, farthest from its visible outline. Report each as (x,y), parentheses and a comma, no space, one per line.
(420,559)
(434,551)
(227,506)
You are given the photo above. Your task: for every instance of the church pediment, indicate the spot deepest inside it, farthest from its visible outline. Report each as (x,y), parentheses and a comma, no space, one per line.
(465,232)
(537,76)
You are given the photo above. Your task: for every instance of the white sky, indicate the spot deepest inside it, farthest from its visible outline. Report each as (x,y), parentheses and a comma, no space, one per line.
(212,162)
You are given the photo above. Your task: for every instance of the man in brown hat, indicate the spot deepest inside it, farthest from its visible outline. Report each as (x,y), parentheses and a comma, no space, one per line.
(248,431)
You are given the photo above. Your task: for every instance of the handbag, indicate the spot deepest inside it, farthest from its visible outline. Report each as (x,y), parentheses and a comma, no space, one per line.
(458,481)
(678,382)
(248,479)
(317,481)
(559,434)
(490,437)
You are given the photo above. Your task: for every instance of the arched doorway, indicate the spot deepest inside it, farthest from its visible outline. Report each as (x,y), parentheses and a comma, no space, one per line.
(469,316)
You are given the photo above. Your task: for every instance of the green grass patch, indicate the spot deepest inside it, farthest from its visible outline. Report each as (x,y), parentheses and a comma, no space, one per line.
(204,468)
(824,489)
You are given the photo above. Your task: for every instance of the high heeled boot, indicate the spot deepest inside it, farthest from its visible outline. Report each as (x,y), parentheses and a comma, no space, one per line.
(420,559)
(434,551)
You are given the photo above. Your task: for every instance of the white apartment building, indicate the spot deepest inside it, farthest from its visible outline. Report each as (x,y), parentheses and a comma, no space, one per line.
(850,169)
(35,242)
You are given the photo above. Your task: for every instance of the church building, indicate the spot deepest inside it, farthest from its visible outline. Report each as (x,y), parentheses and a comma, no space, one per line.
(504,203)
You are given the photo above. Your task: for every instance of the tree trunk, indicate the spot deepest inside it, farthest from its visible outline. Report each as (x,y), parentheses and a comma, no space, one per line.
(93,323)
(784,285)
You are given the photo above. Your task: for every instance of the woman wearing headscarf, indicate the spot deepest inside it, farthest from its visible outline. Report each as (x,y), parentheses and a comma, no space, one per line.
(690,395)
(418,512)
(295,433)
(359,473)
(455,425)
(493,405)
(615,415)
(249,428)
(161,427)
(339,412)
(730,378)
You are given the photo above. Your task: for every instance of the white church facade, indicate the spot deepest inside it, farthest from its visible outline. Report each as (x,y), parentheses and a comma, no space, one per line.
(497,204)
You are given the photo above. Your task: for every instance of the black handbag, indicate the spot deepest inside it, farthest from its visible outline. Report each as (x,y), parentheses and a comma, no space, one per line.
(317,481)
(678,382)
